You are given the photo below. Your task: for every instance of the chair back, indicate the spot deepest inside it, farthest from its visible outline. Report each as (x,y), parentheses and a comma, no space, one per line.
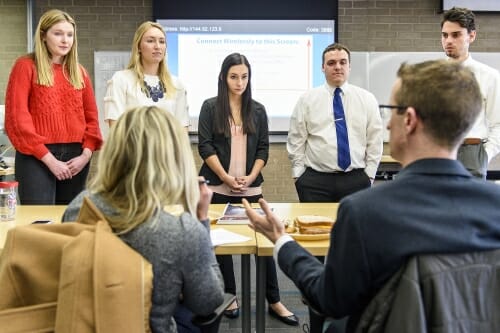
(439,293)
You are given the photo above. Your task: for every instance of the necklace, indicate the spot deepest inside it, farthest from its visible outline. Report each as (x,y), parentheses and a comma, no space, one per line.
(156,92)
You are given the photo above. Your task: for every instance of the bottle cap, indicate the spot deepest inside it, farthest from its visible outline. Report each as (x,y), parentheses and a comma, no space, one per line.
(8,184)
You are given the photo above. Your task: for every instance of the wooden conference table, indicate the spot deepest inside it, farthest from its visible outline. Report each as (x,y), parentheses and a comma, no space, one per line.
(257,244)
(28,214)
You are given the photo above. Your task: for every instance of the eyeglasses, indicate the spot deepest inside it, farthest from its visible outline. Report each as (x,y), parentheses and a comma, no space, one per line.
(400,108)
(385,110)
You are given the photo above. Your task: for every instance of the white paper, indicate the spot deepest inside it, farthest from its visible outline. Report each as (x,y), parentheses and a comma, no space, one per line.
(222,236)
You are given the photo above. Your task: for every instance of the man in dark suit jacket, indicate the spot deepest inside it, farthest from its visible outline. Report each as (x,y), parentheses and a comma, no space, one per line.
(434,205)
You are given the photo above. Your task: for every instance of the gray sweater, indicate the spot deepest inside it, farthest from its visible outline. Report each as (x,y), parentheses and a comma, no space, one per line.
(180,250)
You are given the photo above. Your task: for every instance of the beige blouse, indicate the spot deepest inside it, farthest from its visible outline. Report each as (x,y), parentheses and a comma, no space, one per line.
(237,164)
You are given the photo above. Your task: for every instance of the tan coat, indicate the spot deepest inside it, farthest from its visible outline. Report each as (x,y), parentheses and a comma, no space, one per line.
(73,277)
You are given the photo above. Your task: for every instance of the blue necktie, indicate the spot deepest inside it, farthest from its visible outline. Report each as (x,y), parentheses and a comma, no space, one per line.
(343,153)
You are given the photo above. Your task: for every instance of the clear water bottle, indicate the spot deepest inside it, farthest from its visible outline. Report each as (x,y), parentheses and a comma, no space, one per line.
(8,200)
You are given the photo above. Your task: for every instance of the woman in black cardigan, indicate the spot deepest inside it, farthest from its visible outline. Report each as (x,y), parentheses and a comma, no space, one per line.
(233,141)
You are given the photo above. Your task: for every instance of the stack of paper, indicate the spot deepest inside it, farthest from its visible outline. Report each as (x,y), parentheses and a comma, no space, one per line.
(223,236)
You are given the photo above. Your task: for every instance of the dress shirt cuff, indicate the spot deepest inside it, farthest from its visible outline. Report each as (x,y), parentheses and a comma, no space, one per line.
(279,243)
(488,148)
(298,171)
(371,171)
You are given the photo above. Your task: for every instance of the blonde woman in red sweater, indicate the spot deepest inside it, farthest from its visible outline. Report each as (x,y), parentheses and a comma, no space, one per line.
(51,116)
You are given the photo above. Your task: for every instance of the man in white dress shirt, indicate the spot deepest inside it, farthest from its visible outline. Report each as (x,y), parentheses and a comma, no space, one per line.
(312,138)
(482,143)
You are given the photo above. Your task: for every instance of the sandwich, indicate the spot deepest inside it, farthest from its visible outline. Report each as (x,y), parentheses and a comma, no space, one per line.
(314,224)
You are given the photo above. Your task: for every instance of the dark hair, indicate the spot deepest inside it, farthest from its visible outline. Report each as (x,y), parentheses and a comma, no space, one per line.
(463,16)
(223,113)
(445,95)
(338,47)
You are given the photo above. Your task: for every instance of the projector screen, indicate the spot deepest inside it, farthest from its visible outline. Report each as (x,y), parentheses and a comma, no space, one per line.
(285,57)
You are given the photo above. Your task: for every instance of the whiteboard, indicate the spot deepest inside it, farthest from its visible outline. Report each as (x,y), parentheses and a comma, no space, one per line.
(475,5)
(106,63)
(376,71)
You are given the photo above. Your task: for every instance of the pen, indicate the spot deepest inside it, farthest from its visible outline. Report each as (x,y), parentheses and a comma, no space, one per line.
(203,181)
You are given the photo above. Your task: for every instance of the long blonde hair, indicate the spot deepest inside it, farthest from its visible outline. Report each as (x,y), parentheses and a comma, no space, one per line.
(135,62)
(42,56)
(146,163)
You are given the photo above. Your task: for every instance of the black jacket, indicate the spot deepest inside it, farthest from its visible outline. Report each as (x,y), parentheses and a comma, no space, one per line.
(210,143)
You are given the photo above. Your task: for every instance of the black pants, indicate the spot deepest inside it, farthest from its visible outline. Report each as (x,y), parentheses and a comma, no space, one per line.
(226,261)
(183,317)
(337,326)
(39,186)
(315,186)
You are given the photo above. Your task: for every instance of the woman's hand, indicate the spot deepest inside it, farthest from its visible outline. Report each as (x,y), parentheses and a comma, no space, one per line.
(233,184)
(76,164)
(205,198)
(245,182)
(60,169)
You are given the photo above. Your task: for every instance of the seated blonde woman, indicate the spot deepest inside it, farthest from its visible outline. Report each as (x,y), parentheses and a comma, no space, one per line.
(147,163)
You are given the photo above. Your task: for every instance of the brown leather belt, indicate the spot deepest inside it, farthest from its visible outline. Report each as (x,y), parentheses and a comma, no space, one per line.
(472,141)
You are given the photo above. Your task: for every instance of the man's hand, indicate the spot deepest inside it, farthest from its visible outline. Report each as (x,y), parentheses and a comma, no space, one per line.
(268,225)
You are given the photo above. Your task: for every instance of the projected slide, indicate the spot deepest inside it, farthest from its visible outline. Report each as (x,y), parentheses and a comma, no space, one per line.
(285,57)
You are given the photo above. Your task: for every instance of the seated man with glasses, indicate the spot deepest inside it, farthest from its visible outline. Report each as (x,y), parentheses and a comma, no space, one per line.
(434,205)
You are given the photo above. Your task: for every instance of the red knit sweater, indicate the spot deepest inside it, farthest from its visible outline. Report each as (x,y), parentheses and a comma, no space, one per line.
(36,115)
